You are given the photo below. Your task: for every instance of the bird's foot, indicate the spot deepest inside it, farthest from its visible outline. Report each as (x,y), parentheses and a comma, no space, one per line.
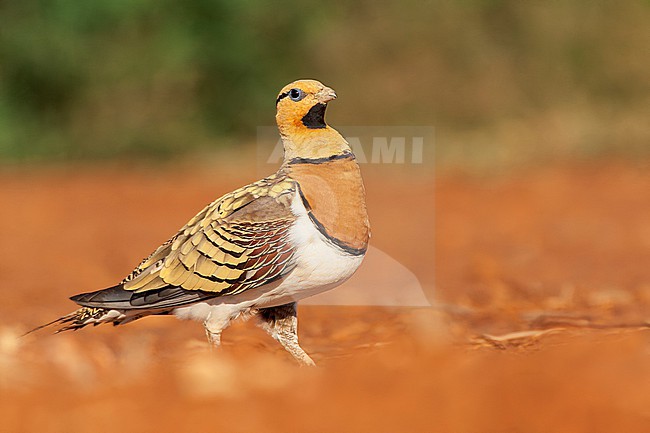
(214,338)
(281,323)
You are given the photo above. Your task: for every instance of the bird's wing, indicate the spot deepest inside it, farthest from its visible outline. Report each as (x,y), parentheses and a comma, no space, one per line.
(238,242)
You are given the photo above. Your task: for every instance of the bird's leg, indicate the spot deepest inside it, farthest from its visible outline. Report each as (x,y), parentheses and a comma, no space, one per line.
(213,327)
(214,338)
(282,324)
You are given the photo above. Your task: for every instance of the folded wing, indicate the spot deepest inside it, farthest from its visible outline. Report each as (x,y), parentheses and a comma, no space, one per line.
(239,242)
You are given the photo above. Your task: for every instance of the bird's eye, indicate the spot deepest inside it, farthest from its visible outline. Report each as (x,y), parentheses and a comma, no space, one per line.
(296,94)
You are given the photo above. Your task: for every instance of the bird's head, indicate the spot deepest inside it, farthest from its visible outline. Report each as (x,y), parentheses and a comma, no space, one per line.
(301,120)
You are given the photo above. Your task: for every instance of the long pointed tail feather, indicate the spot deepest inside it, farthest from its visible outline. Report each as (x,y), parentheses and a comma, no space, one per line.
(80,318)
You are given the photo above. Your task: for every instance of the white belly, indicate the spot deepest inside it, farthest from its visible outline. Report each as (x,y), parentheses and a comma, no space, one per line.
(320,266)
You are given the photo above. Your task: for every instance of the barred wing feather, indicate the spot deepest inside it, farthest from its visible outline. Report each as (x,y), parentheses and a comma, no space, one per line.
(239,242)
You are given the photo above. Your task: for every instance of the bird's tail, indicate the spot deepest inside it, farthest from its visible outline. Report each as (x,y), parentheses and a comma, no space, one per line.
(82,317)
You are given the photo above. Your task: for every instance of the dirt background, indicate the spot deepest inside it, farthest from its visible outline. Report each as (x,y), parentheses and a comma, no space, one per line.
(538,279)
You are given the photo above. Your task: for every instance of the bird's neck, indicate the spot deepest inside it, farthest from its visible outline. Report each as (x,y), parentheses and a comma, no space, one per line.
(303,143)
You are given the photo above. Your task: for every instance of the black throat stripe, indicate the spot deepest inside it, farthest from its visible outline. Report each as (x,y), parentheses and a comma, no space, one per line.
(344,155)
(315,117)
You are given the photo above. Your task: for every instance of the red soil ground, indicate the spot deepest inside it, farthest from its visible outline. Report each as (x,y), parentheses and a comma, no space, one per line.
(539,317)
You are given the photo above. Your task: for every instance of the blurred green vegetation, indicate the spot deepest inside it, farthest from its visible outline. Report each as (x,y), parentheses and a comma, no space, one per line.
(156,78)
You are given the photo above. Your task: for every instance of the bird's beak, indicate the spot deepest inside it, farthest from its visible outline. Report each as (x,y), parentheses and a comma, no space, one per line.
(326,95)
